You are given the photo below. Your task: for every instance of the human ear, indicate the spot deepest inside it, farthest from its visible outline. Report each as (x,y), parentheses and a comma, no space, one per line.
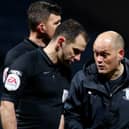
(60,42)
(41,28)
(121,53)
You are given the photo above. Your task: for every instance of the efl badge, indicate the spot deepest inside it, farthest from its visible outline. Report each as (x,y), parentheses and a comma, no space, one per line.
(65,95)
(126,97)
(12,82)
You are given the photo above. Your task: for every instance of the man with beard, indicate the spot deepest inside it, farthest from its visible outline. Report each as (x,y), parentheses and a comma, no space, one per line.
(43,18)
(39,81)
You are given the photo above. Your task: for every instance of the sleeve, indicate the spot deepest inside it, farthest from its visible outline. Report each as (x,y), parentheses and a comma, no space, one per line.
(73,105)
(13,83)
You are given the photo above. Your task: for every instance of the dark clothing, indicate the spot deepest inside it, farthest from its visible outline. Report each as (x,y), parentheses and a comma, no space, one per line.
(40,88)
(23,47)
(97,103)
(20,49)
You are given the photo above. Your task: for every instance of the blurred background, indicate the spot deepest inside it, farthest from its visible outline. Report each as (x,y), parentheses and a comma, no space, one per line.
(95,15)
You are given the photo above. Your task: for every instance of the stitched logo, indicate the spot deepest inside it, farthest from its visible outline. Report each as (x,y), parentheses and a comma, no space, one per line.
(12,82)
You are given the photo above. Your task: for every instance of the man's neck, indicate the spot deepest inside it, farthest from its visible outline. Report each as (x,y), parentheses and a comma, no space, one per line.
(38,41)
(118,72)
(51,52)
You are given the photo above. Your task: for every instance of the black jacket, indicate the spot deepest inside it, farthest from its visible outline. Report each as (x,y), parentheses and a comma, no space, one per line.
(91,105)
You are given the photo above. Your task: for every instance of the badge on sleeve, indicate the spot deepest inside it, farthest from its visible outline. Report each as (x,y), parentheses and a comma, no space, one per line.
(12,82)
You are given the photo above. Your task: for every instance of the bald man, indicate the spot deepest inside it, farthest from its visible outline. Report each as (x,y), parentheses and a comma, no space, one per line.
(99,94)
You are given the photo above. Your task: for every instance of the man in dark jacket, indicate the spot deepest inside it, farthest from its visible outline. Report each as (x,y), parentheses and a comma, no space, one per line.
(99,94)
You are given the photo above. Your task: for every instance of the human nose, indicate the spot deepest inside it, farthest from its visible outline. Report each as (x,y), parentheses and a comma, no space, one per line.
(77,57)
(99,59)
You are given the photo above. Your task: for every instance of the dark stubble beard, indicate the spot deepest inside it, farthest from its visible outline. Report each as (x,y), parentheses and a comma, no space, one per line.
(45,38)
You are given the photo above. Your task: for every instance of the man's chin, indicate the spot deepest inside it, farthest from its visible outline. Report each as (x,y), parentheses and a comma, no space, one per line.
(66,63)
(102,72)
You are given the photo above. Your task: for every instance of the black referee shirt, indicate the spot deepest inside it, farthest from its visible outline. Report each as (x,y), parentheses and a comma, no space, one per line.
(40,87)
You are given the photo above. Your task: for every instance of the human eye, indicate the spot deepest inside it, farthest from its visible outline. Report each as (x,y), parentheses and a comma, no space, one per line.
(104,55)
(76,51)
(57,22)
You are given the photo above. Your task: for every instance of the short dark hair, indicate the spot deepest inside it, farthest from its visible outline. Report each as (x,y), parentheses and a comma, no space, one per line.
(70,28)
(41,10)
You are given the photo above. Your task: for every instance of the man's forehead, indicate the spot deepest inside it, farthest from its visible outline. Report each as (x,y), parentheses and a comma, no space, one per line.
(104,42)
(103,46)
(108,37)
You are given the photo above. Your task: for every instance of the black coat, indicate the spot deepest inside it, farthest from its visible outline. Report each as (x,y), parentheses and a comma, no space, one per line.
(91,105)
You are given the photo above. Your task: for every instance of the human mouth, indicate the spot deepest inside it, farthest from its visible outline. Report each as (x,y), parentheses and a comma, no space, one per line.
(100,67)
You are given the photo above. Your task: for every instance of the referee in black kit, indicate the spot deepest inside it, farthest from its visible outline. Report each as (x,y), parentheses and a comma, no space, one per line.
(39,81)
(43,18)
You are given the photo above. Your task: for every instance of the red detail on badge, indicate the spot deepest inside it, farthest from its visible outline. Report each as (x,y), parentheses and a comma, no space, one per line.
(12,80)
